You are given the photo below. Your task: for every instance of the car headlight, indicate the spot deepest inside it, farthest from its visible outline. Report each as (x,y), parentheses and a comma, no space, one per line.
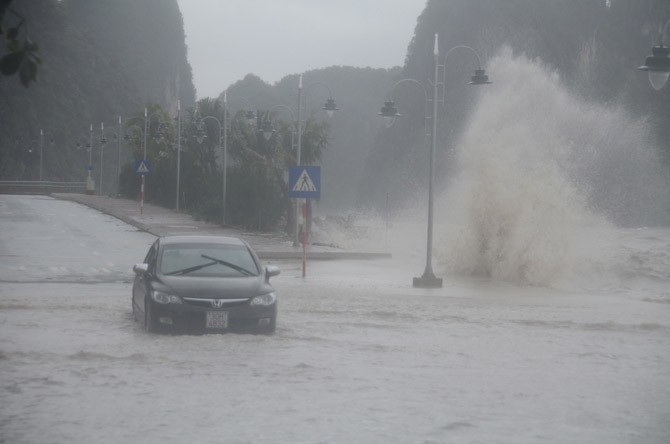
(165,298)
(264,299)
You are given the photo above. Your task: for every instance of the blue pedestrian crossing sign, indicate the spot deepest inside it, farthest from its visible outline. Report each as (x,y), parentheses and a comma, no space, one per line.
(142,167)
(304,181)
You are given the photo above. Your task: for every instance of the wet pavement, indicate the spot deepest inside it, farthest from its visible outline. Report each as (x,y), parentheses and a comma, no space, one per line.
(161,221)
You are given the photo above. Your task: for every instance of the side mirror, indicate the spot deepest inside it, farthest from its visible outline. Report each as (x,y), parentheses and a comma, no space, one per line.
(271,270)
(140,268)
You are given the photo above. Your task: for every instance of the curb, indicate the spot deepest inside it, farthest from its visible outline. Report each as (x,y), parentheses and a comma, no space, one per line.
(295,254)
(322,255)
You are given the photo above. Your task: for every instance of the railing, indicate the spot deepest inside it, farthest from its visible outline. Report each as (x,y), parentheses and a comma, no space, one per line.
(40,187)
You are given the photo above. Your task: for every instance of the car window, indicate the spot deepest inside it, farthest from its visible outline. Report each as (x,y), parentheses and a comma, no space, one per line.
(207,260)
(151,254)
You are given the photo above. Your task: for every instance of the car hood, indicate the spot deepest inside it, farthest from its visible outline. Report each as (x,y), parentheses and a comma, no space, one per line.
(216,288)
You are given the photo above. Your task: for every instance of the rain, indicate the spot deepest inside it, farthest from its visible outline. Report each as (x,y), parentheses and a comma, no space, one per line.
(482,262)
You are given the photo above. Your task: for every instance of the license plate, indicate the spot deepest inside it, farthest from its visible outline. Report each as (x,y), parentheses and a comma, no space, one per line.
(217,319)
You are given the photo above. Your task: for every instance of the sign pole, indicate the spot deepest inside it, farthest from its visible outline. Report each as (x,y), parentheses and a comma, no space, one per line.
(304,182)
(142,196)
(142,168)
(304,238)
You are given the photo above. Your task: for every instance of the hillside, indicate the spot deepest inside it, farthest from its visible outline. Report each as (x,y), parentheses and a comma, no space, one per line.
(99,60)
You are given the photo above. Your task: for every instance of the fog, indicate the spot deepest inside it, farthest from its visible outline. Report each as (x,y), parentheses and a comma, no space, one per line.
(343,33)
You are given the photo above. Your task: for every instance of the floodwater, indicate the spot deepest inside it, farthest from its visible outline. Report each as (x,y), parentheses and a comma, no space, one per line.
(359,355)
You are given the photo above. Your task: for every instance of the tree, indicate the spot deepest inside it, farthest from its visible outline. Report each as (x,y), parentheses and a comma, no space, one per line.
(22,57)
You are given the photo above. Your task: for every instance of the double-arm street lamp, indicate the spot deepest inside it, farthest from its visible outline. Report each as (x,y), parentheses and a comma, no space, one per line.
(330,107)
(389,113)
(223,144)
(657,64)
(200,137)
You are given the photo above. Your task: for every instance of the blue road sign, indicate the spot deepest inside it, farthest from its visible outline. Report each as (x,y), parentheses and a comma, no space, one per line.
(89,167)
(142,167)
(304,181)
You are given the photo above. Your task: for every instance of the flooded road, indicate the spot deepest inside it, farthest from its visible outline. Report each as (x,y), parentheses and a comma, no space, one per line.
(359,355)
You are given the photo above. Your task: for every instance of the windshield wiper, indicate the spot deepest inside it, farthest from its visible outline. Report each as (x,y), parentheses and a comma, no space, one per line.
(228,264)
(190,269)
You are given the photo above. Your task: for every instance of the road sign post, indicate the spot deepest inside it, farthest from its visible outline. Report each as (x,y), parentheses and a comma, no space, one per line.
(142,168)
(304,182)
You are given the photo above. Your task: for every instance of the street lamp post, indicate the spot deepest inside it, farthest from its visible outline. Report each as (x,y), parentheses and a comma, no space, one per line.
(147,121)
(330,107)
(144,159)
(389,112)
(178,150)
(90,183)
(103,142)
(118,156)
(249,116)
(127,137)
(225,157)
(225,165)
(657,64)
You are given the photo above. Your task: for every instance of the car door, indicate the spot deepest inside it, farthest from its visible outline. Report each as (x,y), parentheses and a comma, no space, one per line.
(140,284)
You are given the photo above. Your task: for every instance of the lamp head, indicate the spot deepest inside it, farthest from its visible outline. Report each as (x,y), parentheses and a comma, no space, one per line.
(250,116)
(330,107)
(480,78)
(267,129)
(200,134)
(657,66)
(389,112)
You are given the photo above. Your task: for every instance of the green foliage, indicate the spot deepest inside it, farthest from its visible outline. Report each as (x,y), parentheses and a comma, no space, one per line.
(256,187)
(22,57)
(359,92)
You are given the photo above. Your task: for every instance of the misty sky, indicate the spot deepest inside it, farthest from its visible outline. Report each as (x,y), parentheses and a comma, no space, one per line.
(273,38)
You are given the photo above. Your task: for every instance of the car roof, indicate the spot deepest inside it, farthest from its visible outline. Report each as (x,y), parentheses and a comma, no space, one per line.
(201,239)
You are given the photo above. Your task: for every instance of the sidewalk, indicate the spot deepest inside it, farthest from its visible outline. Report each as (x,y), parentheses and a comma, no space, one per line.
(161,221)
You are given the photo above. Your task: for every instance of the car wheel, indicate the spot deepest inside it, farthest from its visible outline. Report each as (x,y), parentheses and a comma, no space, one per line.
(150,324)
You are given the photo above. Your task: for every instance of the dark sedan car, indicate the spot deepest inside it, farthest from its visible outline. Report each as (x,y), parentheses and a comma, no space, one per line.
(204,284)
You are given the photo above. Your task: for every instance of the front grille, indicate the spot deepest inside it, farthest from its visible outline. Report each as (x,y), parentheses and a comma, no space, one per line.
(193,322)
(207,303)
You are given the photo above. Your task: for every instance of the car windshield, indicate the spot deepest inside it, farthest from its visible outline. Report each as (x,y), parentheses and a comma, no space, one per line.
(207,260)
